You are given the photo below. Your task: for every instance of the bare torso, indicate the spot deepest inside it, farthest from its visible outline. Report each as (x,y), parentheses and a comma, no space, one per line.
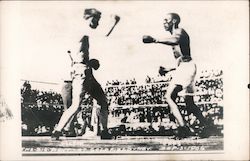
(182,50)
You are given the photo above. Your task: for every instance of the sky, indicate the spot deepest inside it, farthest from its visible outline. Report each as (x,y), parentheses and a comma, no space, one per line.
(36,36)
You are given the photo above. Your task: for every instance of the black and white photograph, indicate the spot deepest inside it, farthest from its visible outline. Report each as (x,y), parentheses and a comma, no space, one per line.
(137,80)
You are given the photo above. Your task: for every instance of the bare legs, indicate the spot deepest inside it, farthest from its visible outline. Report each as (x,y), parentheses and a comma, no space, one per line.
(171,95)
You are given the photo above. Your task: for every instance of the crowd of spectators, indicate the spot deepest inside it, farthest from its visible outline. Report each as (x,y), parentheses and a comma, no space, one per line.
(210,73)
(136,95)
(41,110)
(34,96)
(142,108)
(210,90)
(150,114)
(117,82)
(147,104)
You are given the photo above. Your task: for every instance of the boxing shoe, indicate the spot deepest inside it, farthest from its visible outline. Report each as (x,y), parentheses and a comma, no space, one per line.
(56,135)
(182,132)
(206,131)
(105,135)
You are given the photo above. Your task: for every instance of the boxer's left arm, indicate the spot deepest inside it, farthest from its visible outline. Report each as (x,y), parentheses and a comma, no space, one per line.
(172,40)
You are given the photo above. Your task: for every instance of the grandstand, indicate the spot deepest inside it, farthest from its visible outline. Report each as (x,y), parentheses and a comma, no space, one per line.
(135,109)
